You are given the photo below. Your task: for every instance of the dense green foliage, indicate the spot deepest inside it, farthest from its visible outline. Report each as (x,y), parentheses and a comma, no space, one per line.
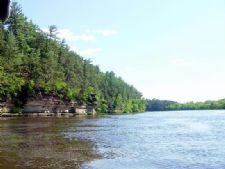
(159,105)
(207,105)
(33,61)
(164,105)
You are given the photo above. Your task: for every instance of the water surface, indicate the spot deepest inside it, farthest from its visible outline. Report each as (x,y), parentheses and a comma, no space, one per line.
(156,140)
(39,143)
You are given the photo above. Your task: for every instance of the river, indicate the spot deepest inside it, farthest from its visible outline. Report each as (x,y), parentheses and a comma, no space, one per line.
(152,140)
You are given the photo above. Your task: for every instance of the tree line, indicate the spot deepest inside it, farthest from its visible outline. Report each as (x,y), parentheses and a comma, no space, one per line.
(33,61)
(165,105)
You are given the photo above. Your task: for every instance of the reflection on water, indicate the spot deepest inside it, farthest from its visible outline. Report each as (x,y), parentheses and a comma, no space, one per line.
(157,140)
(38,143)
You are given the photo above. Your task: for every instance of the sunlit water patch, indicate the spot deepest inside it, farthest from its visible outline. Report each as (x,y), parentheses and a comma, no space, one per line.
(156,140)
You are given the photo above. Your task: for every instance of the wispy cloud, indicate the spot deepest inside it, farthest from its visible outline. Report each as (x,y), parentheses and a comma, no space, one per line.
(86,52)
(89,35)
(103,32)
(70,36)
(91,51)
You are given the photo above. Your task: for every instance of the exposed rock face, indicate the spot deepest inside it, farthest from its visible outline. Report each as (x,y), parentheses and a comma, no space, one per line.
(81,110)
(46,105)
(85,110)
(4,110)
(91,110)
(49,105)
(6,106)
(35,106)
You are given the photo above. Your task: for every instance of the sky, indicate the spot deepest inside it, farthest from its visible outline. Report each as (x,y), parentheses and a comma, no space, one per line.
(167,49)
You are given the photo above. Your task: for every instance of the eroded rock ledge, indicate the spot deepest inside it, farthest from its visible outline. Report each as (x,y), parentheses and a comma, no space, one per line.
(47,106)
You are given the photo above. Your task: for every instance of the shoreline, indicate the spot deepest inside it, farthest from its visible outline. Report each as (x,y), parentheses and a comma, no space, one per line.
(43,115)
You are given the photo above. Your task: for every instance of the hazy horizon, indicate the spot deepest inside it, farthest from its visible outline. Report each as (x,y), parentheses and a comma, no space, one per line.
(170,50)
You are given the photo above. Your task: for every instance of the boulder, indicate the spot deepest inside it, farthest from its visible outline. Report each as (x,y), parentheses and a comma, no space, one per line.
(81,110)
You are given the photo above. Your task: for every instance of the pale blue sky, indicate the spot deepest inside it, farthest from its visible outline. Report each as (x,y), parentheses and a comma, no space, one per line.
(167,49)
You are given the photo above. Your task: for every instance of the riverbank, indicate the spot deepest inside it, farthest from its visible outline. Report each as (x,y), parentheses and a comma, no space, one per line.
(38,115)
(47,105)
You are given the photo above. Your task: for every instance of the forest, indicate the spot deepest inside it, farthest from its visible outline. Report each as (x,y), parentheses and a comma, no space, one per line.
(165,105)
(33,61)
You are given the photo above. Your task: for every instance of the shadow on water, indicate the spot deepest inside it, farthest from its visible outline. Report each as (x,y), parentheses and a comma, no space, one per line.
(38,143)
